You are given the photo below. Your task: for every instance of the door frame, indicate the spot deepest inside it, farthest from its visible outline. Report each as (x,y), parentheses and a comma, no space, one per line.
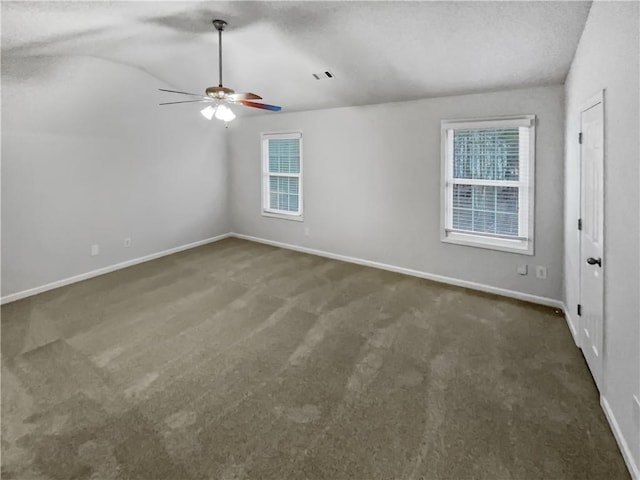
(598,97)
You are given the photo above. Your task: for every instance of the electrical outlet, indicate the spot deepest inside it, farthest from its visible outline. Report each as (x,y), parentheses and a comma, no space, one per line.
(127,242)
(95,249)
(522,269)
(541,272)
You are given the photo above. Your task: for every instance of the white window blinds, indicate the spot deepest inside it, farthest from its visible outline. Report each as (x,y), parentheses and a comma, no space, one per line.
(488,183)
(282,174)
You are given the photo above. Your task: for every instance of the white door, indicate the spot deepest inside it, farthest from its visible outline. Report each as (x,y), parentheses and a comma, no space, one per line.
(592,264)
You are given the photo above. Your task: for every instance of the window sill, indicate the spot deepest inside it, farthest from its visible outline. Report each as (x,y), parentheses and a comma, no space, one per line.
(283,216)
(523,247)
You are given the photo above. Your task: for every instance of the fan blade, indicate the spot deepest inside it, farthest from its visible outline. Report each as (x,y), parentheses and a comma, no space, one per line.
(264,106)
(185,101)
(234,97)
(182,93)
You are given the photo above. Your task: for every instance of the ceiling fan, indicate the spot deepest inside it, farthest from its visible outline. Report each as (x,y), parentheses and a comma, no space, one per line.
(222,96)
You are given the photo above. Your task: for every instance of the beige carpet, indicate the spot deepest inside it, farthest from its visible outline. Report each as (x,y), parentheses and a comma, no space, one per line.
(239,360)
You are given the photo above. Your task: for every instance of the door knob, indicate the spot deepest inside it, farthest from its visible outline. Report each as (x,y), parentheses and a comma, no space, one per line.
(594,261)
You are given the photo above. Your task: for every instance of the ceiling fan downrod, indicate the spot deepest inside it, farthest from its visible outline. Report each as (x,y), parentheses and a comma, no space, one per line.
(219,24)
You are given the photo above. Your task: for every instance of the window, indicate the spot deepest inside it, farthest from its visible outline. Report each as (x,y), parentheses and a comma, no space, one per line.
(282,175)
(488,183)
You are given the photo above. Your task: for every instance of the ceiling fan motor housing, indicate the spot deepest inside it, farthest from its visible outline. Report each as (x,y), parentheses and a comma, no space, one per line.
(219,92)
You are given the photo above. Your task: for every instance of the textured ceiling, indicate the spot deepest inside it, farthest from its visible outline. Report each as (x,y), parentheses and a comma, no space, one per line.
(378,51)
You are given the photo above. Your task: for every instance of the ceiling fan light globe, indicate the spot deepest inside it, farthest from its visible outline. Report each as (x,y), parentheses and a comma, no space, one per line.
(208,112)
(224,113)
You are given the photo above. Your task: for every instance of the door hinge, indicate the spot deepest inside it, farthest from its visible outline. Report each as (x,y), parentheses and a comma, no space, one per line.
(580,138)
(579,310)
(579,224)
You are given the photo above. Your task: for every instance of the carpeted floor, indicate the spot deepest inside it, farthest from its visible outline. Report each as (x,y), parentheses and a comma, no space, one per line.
(238,360)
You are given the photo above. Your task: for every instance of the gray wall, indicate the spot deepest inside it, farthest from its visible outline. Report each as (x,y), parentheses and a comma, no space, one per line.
(372,186)
(607,58)
(88,157)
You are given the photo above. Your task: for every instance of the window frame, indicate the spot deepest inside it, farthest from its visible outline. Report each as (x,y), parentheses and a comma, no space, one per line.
(526,189)
(266,175)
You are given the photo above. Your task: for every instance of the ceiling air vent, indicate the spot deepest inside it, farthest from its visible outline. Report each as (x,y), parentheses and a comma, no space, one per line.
(320,76)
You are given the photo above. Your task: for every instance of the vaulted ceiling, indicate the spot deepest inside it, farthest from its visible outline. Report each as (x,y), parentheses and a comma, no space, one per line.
(377,51)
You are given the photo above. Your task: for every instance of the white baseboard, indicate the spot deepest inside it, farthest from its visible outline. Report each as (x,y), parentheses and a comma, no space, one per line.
(634,470)
(101,271)
(572,326)
(359,261)
(550,302)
